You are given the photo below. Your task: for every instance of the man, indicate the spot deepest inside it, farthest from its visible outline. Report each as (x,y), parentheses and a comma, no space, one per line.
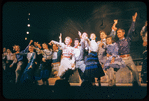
(124,50)
(78,54)
(144,62)
(20,63)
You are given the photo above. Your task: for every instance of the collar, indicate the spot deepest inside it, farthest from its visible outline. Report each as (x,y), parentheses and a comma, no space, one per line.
(122,39)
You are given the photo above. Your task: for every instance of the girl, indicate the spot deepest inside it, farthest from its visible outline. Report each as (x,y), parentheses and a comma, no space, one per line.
(113,62)
(93,68)
(67,61)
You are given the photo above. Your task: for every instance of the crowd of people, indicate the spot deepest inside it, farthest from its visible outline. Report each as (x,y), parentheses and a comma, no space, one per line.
(90,58)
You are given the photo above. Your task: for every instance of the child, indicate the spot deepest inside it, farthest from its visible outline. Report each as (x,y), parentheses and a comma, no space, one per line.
(113,62)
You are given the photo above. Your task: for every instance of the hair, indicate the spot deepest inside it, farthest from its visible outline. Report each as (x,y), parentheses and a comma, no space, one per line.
(102,31)
(121,30)
(111,38)
(76,39)
(69,38)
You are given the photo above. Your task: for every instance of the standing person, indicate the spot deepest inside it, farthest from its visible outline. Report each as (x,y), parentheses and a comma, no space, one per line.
(20,59)
(113,62)
(144,65)
(79,56)
(45,65)
(4,58)
(27,76)
(101,50)
(67,62)
(93,68)
(124,50)
(11,60)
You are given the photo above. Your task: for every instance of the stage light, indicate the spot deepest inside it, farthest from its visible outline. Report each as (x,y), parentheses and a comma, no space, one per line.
(25,38)
(27,32)
(28,13)
(28,18)
(28,25)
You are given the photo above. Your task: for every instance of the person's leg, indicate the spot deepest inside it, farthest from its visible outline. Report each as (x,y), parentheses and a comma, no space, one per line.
(110,73)
(131,66)
(18,71)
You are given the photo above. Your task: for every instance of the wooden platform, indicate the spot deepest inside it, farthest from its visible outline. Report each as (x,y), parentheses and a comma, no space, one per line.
(52,83)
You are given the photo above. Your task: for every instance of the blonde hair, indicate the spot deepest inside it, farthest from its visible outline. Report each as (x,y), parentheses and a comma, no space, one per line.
(69,39)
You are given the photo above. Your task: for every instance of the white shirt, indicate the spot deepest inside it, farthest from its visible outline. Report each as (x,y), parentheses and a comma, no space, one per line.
(54,55)
(77,52)
(93,46)
(29,55)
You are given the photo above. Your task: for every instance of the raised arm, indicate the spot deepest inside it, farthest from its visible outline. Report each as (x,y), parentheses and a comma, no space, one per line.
(26,49)
(132,27)
(143,30)
(113,32)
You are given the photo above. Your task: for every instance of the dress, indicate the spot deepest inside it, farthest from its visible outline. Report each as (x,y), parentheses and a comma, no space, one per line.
(112,50)
(28,73)
(93,68)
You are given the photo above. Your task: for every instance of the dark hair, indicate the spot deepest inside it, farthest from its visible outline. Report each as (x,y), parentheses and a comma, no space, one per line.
(111,38)
(121,30)
(102,31)
(76,39)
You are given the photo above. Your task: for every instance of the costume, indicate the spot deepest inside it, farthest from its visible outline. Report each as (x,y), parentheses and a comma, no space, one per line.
(44,70)
(28,73)
(66,61)
(102,52)
(93,68)
(124,52)
(20,63)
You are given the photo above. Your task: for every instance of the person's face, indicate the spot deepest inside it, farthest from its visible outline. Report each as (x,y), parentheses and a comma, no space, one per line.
(30,49)
(92,36)
(35,43)
(67,41)
(17,48)
(109,40)
(103,35)
(120,34)
(76,43)
(4,49)
(84,35)
(55,47)
(8,51)
(144,43)
(43,46)
(39,45)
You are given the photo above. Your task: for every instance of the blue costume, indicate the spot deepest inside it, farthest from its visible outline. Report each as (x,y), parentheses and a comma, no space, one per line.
(28,73)
(112,50)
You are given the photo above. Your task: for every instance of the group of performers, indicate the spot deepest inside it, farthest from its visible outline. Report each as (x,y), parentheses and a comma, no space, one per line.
(92,59)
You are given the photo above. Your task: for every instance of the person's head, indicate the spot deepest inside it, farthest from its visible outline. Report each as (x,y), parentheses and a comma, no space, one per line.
(4,49)
(120,33)
(103,35)
(31,49)
(84,35)
(14,46)
(145,39)
(39,46)
(92,36)
(76,42)
(17,48)
(55,47)
(68,40)
(35,44)
(9,51)
(44,46)
(109,40)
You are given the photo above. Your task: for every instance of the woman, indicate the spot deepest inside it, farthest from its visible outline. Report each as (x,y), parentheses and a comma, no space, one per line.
(93,68)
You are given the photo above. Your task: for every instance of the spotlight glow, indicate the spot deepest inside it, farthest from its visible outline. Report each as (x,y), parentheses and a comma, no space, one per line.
(25,38)
(28,25)
(28,13)
(27,32)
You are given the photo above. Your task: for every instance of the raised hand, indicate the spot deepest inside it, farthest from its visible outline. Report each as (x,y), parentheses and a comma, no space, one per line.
(79,33)
(30,41)
(146,23)
(60,37)
(50,43)
(134,17)
(115,21)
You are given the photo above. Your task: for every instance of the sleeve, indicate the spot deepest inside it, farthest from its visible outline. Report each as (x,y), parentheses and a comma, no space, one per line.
(142,31)
(115,50)
(131,29)
(60,44)
(73,56)
(113,33)
(48,54)
(25,50)
(33,59)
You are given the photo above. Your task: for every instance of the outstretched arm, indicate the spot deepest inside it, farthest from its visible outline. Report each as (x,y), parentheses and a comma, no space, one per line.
(132,27)
(26,49)
(113,32)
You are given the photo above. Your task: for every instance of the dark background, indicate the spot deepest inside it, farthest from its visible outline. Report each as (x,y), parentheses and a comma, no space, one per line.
(49,19)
